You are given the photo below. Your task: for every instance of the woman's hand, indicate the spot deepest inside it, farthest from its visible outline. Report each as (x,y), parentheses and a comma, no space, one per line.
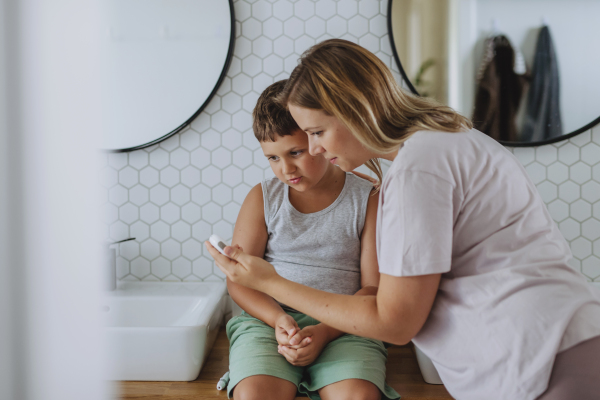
(244,269)
(307,354)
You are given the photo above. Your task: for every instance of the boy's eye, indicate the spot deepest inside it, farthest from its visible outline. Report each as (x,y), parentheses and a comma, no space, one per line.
(272,158)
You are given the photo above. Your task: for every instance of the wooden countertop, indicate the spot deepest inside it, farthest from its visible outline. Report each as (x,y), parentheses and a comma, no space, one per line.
(402,374)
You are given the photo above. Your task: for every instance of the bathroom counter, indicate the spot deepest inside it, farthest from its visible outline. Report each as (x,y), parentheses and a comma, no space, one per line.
(402,374)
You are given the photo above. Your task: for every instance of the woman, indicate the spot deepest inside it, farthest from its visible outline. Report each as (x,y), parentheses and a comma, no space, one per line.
(473,269)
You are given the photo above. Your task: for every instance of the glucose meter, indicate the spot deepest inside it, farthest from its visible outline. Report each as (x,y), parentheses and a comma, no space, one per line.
(218,244)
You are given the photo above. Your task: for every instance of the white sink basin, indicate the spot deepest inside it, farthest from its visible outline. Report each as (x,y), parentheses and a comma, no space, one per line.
(162,331)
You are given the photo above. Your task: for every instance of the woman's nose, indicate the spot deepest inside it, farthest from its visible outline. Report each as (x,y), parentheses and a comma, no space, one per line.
(314,148)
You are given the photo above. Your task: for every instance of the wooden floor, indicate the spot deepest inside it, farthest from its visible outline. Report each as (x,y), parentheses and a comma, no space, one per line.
(402,374)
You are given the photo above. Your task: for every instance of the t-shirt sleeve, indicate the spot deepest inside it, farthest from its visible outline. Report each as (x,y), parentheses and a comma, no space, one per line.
(417,221)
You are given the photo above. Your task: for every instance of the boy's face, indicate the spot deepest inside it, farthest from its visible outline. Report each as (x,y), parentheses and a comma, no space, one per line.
(291,162)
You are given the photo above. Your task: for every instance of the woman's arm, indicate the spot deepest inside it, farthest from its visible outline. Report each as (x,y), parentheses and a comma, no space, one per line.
(395,315)
(250,233)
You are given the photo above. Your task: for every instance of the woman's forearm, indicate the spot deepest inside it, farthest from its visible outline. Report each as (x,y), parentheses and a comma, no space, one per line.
(358,315)
(255,303)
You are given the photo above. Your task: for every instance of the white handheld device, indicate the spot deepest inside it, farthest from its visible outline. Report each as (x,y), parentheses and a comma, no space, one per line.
(218,243)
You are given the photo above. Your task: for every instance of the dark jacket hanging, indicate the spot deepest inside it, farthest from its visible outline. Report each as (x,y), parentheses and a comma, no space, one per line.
(499,91)
(542,117)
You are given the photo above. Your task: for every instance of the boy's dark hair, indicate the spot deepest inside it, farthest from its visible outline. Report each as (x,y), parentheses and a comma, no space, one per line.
(270,118)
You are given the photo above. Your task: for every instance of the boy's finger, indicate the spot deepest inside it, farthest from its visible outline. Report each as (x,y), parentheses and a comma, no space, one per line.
(300,336)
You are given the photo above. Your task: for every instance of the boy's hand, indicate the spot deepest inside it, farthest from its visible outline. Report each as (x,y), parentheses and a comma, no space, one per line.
(286,328)
(307,354)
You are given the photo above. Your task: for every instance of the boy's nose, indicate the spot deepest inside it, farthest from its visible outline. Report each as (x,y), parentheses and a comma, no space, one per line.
(288,167)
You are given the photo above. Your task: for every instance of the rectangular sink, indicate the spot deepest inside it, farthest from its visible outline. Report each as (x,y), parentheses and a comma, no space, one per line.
(162,331)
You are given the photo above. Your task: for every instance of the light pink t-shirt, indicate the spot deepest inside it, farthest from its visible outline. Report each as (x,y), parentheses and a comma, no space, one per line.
(462,205)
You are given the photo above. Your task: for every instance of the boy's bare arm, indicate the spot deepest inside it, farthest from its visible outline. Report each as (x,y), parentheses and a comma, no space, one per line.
(250,233)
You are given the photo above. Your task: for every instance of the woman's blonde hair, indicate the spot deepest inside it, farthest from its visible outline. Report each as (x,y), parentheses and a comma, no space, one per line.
(349,82)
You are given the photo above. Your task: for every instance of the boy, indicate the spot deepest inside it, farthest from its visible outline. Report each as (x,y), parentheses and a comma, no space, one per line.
(316,224)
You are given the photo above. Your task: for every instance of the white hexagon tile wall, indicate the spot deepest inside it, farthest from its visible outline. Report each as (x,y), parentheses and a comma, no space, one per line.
(173,195)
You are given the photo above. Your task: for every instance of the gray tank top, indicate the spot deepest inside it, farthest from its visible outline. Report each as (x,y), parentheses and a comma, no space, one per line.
(321,249)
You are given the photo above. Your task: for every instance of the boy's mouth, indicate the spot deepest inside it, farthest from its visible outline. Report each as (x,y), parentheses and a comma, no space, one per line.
(295,180)
(333,160)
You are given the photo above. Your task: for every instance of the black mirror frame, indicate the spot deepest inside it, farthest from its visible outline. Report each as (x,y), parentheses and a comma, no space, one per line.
(508,144)
(208,99)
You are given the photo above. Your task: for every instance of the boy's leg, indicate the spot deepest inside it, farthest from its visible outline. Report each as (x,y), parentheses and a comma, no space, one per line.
(355,389)
(264,387)
(256,369)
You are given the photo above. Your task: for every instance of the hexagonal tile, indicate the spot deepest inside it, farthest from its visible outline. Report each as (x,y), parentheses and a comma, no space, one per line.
(191,249)
(202,267)
(201,123)
(240,192)
(337,26)
(149,177)
(358,25)
(293,28)
(138,195)
(242,10)
(170,213)
(181,267)
(590,154)
(568,154)
(252,65)
(129,250)
(261,81)
(190,176)
(596,172)
(201,231)
(262,47)
(597,247)
(249,140)
(236,63)
(596,210)
(283,10)
(590,229)
(370,42)
(140,267)
(221,121)
(118,195)
(211,213)
(273,65)
(369,8)
(213,106)
(139,230)
(110,213)
(570,228)
(251,28)
(159,158)
(138,159)
(210,140)
(261,10)
(230,212)
(123,269)
(149,213)
(232,102)
(582,139)
(232,176)
(118,231)
(574,263)
(211,176)
(249,100)
(568,191)
(378,25)
(536,171)
(304,9)
(128,213)
(221,194)
(160,267)
(303,43)
(525,155)
(558,172)
(253,175)
(200,194)
(190,140)
(241,84)
(559,210)
(159,195)
(546,155)
(581,248)
(171,143)
(169,176)
(221,157)
(272,28)
(191,213)
(180,195)
(200,158)
(548,191)
(232,139)
(580,172)
(150,249)
(160,231)
(223,229)
(180,158)
(170,249)
(284,46)
(591,191)
(181,231)
(117,160)
(591,267)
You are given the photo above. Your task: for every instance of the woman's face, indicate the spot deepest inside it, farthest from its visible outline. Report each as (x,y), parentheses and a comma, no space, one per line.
(329,137)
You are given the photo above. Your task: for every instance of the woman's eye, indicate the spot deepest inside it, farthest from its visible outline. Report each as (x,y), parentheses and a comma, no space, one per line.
(296,153)
(317,133)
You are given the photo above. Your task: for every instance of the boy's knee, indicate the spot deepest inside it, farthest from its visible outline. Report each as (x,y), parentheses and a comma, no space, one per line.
(262,387)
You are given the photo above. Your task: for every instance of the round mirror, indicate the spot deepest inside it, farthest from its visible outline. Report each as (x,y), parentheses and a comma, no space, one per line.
(525,72)
(163,60)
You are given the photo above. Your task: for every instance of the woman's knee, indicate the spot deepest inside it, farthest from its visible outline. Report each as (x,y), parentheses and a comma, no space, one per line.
(264,387)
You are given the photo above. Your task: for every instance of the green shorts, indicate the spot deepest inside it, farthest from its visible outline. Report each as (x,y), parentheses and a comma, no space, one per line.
(253,351)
